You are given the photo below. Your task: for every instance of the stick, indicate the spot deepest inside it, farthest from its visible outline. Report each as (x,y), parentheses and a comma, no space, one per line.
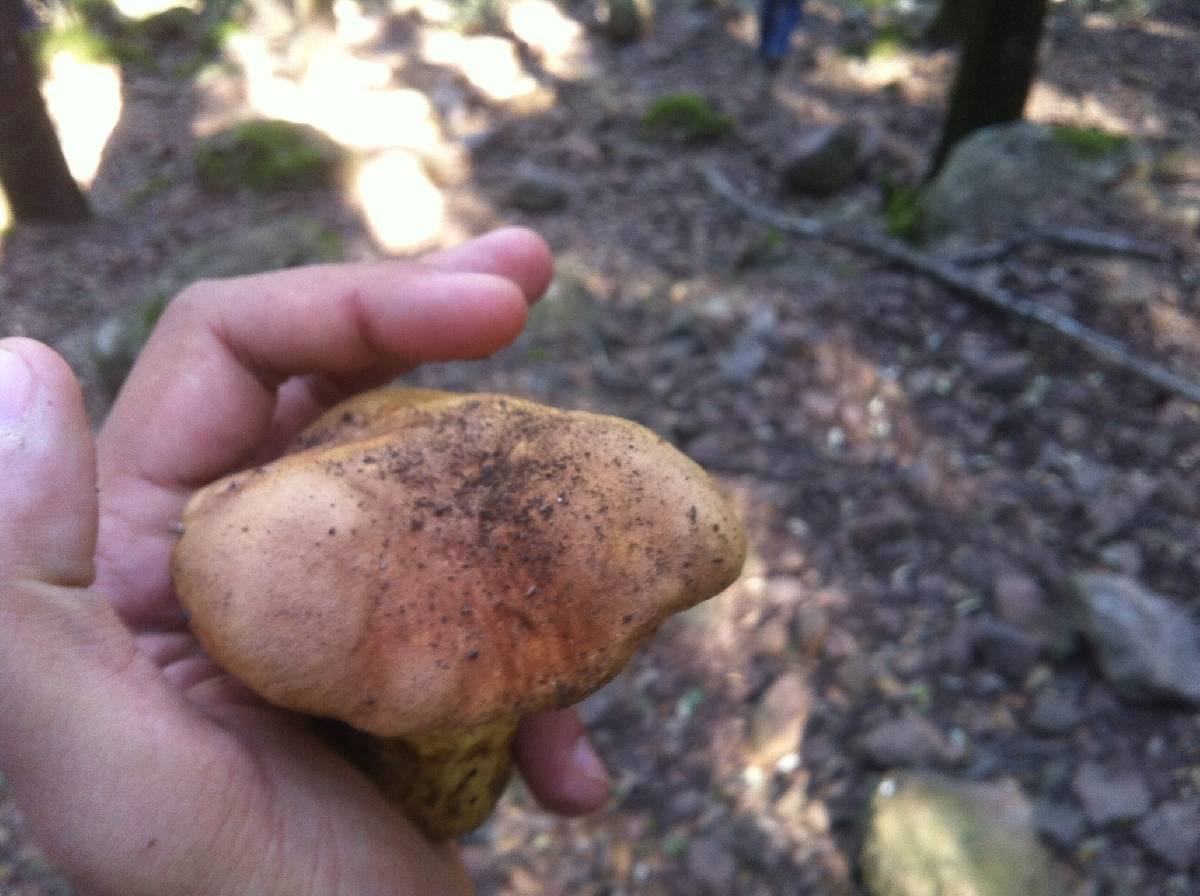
(950,275)
(1070,238)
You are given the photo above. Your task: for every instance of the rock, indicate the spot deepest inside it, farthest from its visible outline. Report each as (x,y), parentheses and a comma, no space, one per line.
(627,20)
(267,157)
(537,190)
(996,179)
(809,630)
(1063,825)
(279,244)
(1110,797)
(1172,833)
(1123,557)
(929,835)
(778,720)
(1056,710)
(1180,165)
(1147,647)
(1005,375)
(1123,283)
(882,527)
(748,355)
(1005,648)
(822,162)
(911,740)
(1021,602)
(712,866)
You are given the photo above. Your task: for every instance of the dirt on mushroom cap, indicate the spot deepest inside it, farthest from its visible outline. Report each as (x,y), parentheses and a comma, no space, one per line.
(462,556)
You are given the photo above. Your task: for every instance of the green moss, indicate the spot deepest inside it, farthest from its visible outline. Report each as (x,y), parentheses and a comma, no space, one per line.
(762,249)
(1088,142)
(904,211)
(890,40)
(477,16)
(148,189)
(675,844)
(685,117)
(268,156)
(88,45)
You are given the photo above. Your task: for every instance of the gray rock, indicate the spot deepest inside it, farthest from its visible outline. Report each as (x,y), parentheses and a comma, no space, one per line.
(749,353)
(712,865)
(822,162)
(929,835)
(1000,176)
(778,720)
(627,20)
(1109,797)
(1180,165)
(537,190)
(1005,648)
(1147,647)
(1005,375)
(1172,833)
(278,244)
(911,740)
(1123,557)
(1063,825)
(889,524)
(1056,710)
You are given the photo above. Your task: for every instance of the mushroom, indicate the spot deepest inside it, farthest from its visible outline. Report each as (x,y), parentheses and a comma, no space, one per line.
(428,567)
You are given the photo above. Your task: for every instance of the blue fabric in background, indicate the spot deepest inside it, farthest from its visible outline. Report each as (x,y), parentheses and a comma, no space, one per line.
(777,20)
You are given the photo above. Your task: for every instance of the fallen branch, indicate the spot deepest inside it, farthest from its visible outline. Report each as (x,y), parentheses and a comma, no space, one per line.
(959,280)
(1075,239)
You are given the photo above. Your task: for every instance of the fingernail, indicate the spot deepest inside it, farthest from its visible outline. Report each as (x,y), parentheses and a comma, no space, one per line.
(587,763)
(16,387)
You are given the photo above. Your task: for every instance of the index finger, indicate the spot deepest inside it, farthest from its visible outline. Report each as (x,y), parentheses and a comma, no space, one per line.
(203,395)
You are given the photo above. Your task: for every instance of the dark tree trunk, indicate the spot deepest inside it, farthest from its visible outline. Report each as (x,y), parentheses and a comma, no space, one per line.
(995,68)
(33,172)
(949,23)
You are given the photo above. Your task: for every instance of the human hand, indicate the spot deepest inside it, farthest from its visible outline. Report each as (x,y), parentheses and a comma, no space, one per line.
(140,766)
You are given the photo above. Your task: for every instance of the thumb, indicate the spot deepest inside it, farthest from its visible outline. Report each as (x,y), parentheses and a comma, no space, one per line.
(62,648)
(47,469)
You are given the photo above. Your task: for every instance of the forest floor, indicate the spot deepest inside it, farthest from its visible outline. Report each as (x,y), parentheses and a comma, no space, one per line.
(913,468)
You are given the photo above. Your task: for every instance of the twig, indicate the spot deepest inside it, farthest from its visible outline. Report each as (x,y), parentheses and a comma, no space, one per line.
(1103,243)
(1075,239)
(949,274)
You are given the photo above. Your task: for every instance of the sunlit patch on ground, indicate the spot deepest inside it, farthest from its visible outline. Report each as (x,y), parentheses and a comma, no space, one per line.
(1047,102)
(84,100)
(489,63)
(403,208)
(355,25)
(557,39)
(140,9)
(347,98)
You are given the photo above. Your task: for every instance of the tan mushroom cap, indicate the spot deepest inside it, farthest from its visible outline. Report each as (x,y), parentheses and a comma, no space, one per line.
(430,561)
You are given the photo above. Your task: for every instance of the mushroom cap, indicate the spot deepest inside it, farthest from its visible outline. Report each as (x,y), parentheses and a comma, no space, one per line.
(428,560)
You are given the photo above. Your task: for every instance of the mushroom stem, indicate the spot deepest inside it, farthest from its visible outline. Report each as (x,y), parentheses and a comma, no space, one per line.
(446,782)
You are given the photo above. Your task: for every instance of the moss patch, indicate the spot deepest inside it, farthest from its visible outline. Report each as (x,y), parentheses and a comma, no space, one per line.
(267,157)
(904,212)
(1089,143)
(685,117)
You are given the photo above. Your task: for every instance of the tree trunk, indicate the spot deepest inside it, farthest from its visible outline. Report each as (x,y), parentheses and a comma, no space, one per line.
(995,68)
(33,171)
(949,24)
